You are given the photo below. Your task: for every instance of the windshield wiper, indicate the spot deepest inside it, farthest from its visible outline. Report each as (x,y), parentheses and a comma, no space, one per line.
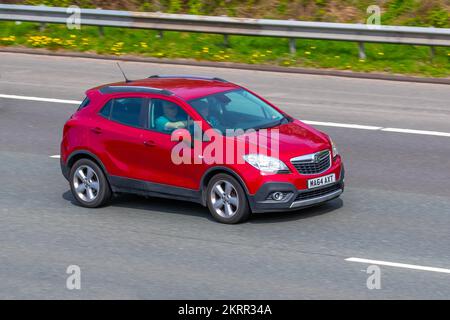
(283,120)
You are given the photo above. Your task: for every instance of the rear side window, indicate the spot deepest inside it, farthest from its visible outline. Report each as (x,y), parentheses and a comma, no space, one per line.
(84,104)
(128,111)
(106,110)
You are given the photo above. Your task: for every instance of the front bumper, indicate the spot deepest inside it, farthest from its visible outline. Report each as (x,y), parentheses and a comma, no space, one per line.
(295,199)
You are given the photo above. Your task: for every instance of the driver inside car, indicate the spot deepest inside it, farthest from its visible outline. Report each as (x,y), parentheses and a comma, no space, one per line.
(171,119)
(203,108)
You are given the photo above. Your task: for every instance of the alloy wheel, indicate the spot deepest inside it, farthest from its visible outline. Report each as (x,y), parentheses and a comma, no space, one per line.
(224,198)
(86,183)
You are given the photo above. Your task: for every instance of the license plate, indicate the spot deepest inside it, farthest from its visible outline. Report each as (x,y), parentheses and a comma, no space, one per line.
(322,181)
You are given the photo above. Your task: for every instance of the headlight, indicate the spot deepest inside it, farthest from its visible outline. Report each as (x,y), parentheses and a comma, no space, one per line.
(265,163)
(334,149)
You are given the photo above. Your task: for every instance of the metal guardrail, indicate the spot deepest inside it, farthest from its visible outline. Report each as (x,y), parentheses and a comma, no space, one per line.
(290,29)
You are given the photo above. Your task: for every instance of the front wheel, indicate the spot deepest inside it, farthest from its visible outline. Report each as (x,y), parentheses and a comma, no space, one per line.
(227,200)
(88,184)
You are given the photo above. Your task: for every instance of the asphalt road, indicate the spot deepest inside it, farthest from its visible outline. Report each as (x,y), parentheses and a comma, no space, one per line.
(396,207)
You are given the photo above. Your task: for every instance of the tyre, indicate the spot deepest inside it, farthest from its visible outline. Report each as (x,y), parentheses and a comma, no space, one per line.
(227,200)
(88,184)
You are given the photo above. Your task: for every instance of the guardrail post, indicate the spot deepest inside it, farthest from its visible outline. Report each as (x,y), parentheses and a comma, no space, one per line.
(160,34)
(101,31)
(362,51)
(432,52)
(42,27)
(292,45)
(226,40)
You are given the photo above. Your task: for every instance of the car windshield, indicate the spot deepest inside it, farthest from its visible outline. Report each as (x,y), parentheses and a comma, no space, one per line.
(237,109)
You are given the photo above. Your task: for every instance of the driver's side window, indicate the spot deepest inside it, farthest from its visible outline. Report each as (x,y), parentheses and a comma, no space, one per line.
(166,116)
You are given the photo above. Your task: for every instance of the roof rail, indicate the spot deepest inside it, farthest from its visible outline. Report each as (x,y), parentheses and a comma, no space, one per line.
(187,77)
(118,89)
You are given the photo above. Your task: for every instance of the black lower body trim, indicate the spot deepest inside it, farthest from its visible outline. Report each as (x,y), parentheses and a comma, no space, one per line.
(127,185)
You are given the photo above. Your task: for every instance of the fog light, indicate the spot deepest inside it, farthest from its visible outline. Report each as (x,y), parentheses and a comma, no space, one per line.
(278,196)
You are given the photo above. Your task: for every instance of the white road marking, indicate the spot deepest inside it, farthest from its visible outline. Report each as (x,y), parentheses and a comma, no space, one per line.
(8,96)
(340,125)
(56,156)
(310,122)
(373,128)
(424,132)
(398,265)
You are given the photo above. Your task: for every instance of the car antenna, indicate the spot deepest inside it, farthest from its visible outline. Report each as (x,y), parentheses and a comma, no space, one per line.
(123,73)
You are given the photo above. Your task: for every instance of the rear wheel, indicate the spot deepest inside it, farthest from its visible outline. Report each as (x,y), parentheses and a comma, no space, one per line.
(227,200)
(88,184)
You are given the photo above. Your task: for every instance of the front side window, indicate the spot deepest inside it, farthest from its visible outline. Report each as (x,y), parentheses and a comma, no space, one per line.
(237,109)
(166,116)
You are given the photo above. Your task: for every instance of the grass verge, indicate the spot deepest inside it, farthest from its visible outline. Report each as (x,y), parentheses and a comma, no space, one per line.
(396,59)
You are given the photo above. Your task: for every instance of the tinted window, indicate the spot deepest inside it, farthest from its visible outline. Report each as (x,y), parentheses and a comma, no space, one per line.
(84,104)
(243,102)
(106,110)
(166,116)
(129,111)
(237,109)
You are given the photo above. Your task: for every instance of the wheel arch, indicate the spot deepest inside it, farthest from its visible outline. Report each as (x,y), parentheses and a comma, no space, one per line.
(211,172)
(84,154)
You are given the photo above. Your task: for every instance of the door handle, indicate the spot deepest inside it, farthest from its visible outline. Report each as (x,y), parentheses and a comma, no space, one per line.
(96,130)
(149,143)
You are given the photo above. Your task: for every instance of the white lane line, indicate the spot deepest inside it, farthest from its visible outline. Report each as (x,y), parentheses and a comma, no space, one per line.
(423,132)
(56,156)
(9,96)
(310,122)
(398,265)
(341,125)
(373,128)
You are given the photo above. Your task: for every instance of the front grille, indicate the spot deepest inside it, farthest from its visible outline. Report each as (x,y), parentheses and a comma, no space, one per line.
(310,194)
(313,164)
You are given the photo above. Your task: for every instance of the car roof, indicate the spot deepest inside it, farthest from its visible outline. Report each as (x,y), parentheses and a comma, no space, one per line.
(187,88)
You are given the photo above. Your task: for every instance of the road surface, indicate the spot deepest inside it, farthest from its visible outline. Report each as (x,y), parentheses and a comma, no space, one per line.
(396,208)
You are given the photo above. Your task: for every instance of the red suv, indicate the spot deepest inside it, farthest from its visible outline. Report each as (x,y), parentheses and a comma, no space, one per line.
(198,139)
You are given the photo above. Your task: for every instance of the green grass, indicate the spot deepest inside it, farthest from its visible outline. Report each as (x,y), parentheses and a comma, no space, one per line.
(400,59)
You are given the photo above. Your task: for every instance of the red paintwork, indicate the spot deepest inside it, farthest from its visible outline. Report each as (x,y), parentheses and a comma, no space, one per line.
(122,150)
